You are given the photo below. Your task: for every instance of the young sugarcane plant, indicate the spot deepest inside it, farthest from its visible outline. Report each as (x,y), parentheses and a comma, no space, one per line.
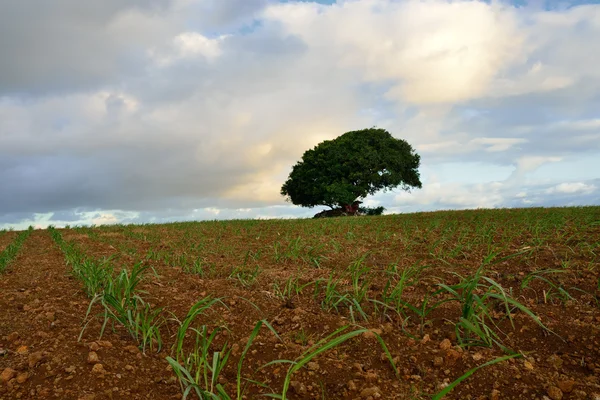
(477,296)
(333,340)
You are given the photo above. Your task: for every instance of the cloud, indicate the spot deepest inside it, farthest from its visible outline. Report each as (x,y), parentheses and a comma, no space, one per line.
(497,144)
(189,105)
(105,219)
(428,52)
(437,195)
(62,46)
(187,45)
(572,187)
(454,195)
(530,163)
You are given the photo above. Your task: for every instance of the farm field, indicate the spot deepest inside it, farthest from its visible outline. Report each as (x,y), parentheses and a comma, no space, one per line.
(389,307)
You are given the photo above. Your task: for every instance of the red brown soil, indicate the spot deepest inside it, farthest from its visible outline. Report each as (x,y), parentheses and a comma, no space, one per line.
(42,308)
(6,239)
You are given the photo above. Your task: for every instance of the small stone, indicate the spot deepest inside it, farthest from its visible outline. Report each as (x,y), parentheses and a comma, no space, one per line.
(528,365)
(12,337)
(94,346)
(438,361)
(35,358)
(555,393)
(477,356)
(566,386)
(370,334)
(132,349)
(298,387)
(351,385)
(93,358)
(370,392)
(371,376)
(495,395)
(445,345)
(452,356)
(70,370)
(425,339)
(312,366)
(98,369)
(129,367)
(7,375)
(105,343)
(555,361)
(22,350)
(22,377)
(50,316)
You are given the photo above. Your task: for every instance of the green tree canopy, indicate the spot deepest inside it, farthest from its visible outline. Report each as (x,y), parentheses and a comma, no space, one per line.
(356,164)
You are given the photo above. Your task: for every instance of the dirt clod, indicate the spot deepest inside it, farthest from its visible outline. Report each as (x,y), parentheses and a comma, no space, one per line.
(98,369)
(373,391)
(566,386)
(555,393)
(35,358)
(452,356)
(555,361)
(22,377)
(298,387)
(445,345)
(528,365)
(312,366)
(495,395)
(93,358)
(7,374)
(12,337)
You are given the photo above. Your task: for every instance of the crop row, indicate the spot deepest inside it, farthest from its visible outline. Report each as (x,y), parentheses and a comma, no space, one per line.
(11,251)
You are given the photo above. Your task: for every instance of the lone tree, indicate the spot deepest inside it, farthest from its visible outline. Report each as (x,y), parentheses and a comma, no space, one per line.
(339,172)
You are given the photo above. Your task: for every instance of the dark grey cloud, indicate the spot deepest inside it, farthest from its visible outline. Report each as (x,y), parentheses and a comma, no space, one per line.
(64,45)
(141,178)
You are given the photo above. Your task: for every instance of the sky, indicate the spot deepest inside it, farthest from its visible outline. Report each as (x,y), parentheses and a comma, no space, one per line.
(168,110)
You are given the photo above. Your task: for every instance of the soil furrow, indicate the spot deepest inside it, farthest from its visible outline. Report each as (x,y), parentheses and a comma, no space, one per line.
(41,313)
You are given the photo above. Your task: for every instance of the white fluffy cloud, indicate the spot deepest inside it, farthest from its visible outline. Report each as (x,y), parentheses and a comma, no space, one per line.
(431,52)
(572,187)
